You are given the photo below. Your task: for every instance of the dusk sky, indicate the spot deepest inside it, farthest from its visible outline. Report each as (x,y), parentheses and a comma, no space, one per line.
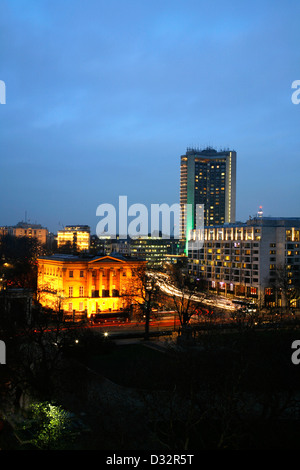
(102,99)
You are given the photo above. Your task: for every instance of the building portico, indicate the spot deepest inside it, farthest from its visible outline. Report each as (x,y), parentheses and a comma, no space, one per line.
(84,284)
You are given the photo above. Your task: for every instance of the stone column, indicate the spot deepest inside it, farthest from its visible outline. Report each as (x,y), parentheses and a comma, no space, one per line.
(100,282)
(109,275)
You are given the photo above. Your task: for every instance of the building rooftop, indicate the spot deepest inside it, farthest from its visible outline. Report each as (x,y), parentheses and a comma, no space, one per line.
(27,225)
(206,151)
(262,221)
(85,228)
(275,221)
(87,257)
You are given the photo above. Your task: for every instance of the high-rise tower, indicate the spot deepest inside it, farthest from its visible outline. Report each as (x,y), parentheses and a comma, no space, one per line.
(207,177)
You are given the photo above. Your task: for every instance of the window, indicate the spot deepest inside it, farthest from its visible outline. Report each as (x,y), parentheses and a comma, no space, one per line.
(70,273)
(289,235)
(81,274)
(81,291)
(81,306)
(70,291)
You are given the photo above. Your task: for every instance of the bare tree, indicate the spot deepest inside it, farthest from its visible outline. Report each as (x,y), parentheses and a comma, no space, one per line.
(287,285)
(143,292)
(185,289)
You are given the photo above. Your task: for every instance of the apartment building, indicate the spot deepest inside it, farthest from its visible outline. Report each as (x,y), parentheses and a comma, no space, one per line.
(24,229)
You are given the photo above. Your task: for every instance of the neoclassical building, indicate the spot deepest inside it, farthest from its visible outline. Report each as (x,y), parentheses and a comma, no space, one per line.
(85,284)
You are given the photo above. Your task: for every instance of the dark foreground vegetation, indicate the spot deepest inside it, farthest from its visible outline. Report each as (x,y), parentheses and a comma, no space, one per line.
(230,391)
(233,390)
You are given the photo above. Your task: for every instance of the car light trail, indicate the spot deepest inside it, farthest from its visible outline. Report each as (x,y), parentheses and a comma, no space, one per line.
(165,285)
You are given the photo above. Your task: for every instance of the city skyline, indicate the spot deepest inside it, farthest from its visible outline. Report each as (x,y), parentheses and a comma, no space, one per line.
(103,99)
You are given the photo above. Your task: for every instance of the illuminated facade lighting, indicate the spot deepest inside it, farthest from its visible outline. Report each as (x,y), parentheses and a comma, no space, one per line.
(24,229)
(78,236)
(85,285)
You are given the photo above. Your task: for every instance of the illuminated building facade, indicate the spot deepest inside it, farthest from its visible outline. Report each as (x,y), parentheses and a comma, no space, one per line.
(154,250)
(207,177)
(151,249)
(24,229)
(76,236)
(84,284)
(4,230)
(244,259)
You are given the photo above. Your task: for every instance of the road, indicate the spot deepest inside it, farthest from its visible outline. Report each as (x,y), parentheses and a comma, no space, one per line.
(164,323)
(168,288)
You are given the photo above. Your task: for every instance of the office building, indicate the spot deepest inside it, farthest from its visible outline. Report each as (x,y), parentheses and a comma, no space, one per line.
(76,237)
(156,251)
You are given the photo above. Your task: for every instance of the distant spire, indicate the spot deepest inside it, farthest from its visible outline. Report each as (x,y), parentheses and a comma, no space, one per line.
(260,212)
